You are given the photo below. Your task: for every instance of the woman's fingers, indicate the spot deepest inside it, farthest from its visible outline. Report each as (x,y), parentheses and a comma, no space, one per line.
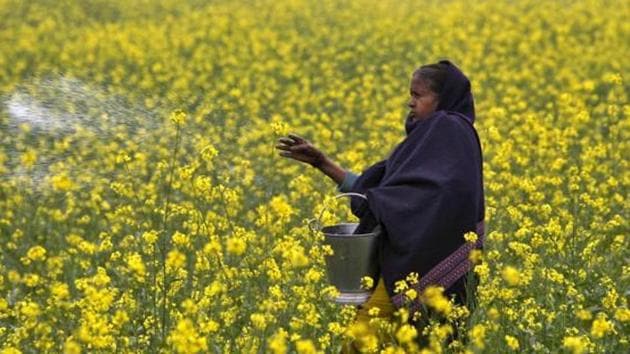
(286,141)
(294,148)
(283,147)
(297,148)
(298,139)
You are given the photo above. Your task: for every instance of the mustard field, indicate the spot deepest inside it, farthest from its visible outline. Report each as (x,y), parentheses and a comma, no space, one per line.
(144,208)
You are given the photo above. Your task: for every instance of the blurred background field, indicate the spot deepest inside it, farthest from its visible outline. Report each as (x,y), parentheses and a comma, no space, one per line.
(143,206)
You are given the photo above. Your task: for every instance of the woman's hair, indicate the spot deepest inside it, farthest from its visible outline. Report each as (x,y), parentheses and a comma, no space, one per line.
(434,75)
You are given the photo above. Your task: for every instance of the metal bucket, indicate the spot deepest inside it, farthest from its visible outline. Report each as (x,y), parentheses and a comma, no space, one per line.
(354,257)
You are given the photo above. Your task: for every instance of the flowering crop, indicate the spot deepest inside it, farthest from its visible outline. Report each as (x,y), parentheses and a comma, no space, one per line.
(144,208)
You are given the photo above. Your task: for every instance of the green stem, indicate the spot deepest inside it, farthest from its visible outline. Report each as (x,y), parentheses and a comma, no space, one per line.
(163,237)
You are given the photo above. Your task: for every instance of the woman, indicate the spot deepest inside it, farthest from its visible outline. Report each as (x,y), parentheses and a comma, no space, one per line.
(426,195)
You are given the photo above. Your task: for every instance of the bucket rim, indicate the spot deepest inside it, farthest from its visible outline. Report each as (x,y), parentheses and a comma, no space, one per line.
(375,232)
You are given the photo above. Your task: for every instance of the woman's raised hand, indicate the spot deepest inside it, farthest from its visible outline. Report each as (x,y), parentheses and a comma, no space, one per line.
(300,149)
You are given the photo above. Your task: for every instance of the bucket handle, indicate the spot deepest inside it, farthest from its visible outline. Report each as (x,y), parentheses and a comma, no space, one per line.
(319,219)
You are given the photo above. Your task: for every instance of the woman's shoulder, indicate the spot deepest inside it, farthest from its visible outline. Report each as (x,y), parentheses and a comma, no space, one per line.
(451,123)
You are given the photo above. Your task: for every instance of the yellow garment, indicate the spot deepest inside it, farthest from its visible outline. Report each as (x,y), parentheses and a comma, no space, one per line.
(361,326)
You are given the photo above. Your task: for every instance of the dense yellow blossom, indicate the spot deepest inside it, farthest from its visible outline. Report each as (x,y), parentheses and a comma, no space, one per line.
(185,338)
(143,207)
(471,237)
(477,334)
(305,346)
(576,344)
(512,342)
(406,334)
(367,282)
(277,343)
(601,326)
(511,276)
(434,297)
(36,253)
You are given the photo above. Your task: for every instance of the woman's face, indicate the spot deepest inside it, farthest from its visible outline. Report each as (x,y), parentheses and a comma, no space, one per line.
(423,101)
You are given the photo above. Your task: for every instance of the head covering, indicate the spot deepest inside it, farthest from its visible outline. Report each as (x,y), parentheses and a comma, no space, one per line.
(429,192)
(455,97)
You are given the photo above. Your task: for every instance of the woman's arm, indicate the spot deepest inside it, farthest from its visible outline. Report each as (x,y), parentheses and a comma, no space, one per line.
(332,170)
(348,182)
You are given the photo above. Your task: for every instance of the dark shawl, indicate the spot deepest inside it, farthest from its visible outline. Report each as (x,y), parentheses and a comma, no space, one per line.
(429,192)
